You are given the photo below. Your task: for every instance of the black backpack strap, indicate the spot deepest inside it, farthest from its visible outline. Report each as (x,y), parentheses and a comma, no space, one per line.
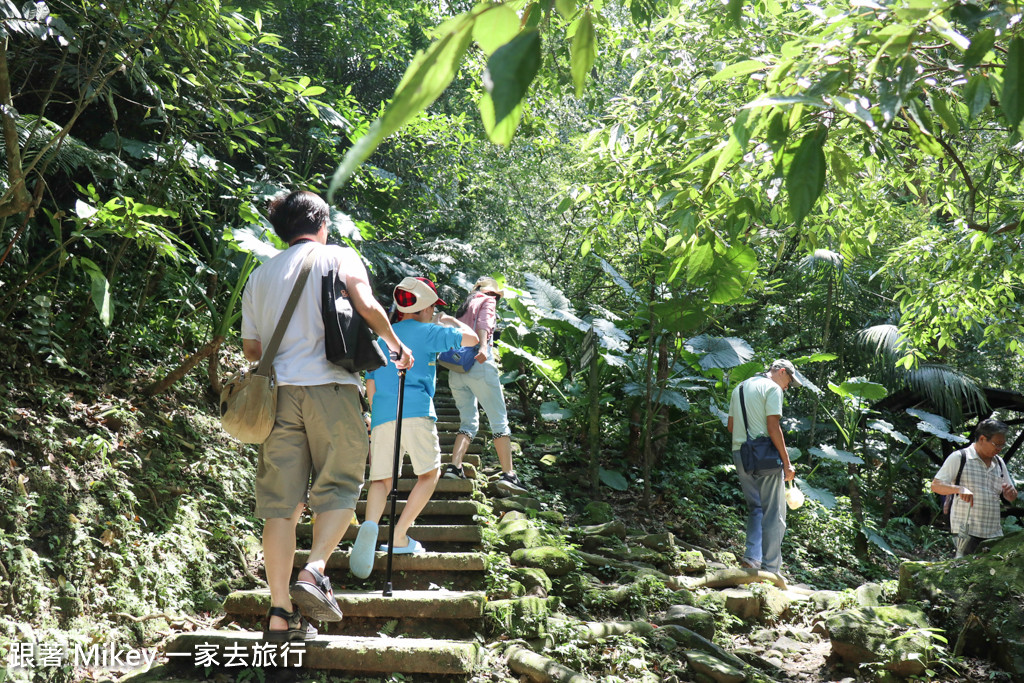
(963,461)
(743,409)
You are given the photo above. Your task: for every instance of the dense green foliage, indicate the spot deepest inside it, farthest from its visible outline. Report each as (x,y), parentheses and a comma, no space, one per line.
(708,186)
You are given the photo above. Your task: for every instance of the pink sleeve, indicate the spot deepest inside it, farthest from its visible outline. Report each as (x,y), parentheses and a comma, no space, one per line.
(486,314)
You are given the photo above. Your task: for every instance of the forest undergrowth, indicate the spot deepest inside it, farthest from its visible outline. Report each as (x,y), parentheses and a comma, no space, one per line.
(124,519)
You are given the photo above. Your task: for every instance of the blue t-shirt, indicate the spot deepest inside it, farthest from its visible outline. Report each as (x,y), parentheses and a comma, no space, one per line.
(425,340)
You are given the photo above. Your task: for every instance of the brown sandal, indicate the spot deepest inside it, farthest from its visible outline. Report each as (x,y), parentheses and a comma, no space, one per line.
(316,600)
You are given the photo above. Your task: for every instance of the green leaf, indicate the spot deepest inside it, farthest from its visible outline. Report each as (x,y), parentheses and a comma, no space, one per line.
(981,45)
(427,76)
(832,453)
(495,27)
(806,177)
(747,66)
(583,52)
(735,11)
(584,248)
(101,295)
(499,132)
(733,273)
(877,539)
(550,411)
(567,8)
(977,94)
(699,261)
(510,70)
(672,398)
(821,495)
(941,109)
(860,389)
(1012,97)
(613,479)
(720,352)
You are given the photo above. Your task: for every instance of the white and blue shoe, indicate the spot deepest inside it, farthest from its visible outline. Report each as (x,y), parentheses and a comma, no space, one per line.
(360,560)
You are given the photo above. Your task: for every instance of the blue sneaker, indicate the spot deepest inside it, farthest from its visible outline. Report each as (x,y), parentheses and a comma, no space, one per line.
(360,561)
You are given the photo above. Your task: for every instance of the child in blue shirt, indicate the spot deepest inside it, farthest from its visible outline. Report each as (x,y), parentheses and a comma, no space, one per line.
(426,332)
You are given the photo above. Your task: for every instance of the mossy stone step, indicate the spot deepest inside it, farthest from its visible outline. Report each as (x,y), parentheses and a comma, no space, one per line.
(429,533)
(447,448)
(435,508)
(437,604)
(469,459)
(337,653)
(422,562)
(407,472)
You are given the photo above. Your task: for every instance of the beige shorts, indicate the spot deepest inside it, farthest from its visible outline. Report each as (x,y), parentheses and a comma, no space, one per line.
(315,454)
(419,441)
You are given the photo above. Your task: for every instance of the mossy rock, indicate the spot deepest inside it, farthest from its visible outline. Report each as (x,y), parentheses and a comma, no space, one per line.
(713,601)
(554,561)
(869,594)
(688,562)
(683,596)
(693,618)
(552,517)
(986,586)
(532,577)
(598,512)
(519,533)
(895,636)
(521,617)
(613,528)
(826,601)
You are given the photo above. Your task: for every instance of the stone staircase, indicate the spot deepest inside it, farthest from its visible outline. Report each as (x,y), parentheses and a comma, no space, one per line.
(430,625)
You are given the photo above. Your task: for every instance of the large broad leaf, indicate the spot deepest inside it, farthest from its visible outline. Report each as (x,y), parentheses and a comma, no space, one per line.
(720,352)
(100,289)
(495,27)
(552,412)
(427,76)
(619,280)
(860,388)
(583,52)
(1012,97)
(613,479)
(833,453)
(253,238)
(672,398)
(806,176)
(821,495)
(877,539)
(977,94)
(719,413)
(981,44)
(732,274)
(931,423)
(552,369)
(510,71)
(611,337)
(546,296)
(745,371)
(887,428)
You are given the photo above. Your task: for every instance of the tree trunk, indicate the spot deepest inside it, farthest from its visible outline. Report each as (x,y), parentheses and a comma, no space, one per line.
(209,348)
(661,424)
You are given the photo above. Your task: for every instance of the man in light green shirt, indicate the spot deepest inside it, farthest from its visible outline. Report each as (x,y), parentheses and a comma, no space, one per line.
(764,490)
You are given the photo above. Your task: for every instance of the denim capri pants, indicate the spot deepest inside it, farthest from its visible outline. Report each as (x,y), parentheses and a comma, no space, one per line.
(480,386)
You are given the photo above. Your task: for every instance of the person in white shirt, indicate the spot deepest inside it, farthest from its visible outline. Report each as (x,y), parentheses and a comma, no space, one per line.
(978,477)
(316,454)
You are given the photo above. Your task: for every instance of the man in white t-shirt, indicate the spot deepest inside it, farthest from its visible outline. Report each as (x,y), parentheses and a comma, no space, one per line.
(977,476)
(764,491)
(316,453)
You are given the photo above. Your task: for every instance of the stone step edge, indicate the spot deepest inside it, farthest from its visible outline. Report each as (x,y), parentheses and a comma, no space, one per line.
(422,562)
(338,653)
(439,604)
(424,533)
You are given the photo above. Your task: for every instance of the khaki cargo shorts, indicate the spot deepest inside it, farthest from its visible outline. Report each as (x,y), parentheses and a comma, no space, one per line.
(316,452)
(419,441)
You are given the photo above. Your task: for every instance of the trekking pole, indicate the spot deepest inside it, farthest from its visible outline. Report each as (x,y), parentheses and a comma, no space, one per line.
(394,482)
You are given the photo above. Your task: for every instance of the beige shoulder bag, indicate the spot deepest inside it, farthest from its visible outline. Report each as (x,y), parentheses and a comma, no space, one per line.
(248,401)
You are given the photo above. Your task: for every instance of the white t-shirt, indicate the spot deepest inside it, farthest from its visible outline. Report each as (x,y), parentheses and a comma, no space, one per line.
(301,358)
(762,397)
